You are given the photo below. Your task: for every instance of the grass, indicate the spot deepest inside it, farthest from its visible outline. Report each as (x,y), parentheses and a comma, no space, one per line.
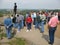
(17,41)
(14,40)
(1,15)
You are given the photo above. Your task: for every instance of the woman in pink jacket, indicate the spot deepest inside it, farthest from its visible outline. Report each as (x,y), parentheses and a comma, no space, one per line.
(52,28)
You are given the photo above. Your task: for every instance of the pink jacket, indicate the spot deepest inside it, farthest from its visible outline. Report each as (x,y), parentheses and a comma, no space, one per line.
(53,22)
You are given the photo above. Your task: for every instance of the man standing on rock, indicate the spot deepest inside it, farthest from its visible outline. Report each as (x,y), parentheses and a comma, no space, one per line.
(15,8)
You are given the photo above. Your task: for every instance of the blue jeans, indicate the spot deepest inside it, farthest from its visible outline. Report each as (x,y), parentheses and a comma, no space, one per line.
(34,21)
(42,26)
(37,25)
(28,26)
(15,25)
(51,34)
(19,25)
(8,32)
(22,23)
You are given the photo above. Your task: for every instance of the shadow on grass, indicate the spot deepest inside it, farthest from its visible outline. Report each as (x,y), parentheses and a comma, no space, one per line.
(46,37)
(13,34)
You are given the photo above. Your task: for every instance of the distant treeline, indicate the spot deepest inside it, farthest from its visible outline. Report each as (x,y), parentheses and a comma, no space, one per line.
(54,10)
(4,11)
(27,11)
(23,12)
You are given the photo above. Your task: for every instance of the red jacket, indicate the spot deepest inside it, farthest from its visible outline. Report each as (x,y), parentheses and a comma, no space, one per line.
(29,20)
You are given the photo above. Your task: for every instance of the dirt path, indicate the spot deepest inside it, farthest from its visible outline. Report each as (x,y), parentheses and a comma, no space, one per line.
(36,37)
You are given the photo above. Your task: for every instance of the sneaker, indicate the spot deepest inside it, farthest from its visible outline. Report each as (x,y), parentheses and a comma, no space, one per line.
(30,29)
(27,30)
(9,38)
(39,26)
(33,25)
(50,43)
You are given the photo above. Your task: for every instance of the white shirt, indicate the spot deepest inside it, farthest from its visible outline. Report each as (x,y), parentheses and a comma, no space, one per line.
(34,14)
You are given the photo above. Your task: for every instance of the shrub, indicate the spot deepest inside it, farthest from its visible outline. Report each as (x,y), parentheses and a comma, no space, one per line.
(1,15)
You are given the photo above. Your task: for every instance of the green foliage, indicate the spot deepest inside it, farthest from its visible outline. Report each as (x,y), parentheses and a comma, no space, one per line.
(2,34)
(28,11)
(4,11)
(56,10)
(17,41)
(1,15)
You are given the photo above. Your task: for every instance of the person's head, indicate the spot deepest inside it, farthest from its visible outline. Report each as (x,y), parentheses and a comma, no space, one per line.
(29,15)
(41,13)
(11,15)
(37,13)
(14,3)
(17,15)
(56,13)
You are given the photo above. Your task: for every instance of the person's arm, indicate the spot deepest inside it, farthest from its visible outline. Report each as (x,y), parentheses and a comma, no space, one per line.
(5,23)
(31,19)
(57,21)
(44,17)
(49,23)
(10,24)
(23,17)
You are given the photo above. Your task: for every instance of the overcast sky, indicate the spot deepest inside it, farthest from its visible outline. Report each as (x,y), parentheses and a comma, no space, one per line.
(30,4)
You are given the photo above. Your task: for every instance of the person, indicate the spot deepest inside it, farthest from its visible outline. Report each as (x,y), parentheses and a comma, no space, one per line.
(42,19)
(52,25)
(27,14)
(19,22)
(49,16)
(8,26)
(28,23)
(22,19)
(34,18)
(14,22)
(11,17)
(15,8)
(59,16)
(37,25)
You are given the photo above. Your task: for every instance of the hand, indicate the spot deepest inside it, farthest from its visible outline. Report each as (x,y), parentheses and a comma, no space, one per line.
(7,26)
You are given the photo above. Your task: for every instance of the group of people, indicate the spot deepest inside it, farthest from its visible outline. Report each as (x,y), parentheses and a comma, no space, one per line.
(38,19)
